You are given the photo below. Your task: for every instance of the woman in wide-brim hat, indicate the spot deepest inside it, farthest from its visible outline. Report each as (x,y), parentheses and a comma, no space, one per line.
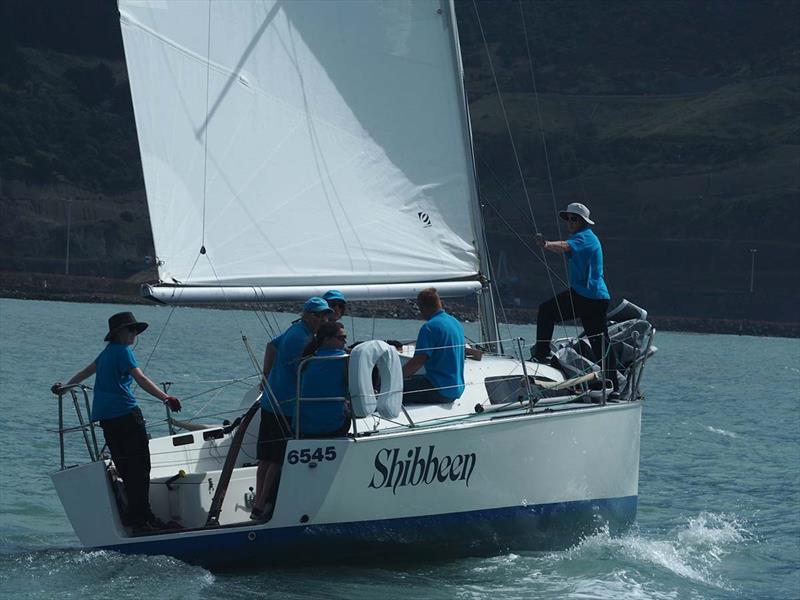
(123,320)
(587,298)
(120,417)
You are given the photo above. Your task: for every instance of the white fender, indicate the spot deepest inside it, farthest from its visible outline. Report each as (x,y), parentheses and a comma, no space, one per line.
(363,359)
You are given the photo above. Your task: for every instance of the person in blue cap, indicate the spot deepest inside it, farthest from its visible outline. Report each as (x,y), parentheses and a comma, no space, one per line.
(279,389)
(441,350)
(115,407)
(337,302)
(587,298)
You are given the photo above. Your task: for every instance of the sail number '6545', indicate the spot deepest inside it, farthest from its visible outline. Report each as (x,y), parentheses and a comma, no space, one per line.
(306,455)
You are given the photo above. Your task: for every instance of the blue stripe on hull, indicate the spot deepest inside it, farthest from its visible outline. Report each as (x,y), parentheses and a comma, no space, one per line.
(474,533)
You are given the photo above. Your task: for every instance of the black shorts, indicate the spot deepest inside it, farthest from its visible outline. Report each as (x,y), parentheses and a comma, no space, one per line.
(272,436)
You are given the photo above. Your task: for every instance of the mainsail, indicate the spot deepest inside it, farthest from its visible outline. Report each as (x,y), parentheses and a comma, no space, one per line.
(303,142)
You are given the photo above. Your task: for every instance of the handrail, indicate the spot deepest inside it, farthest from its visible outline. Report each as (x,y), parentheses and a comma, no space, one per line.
(91,446)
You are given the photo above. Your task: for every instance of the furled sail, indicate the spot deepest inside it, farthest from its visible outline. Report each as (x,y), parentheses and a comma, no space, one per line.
(302,142)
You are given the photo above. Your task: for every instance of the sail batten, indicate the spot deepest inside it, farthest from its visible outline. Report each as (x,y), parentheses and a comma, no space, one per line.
(331,147)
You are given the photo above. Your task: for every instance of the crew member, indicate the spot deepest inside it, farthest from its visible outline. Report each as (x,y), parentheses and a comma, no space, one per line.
(440,349)
(337,302)
(325,378)
(587,298)
(279,389)
(114,405)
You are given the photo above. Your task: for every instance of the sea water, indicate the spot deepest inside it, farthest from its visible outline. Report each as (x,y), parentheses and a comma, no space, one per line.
(719,491)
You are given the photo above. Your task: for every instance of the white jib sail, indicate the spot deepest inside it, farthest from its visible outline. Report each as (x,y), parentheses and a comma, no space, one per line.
(301,142)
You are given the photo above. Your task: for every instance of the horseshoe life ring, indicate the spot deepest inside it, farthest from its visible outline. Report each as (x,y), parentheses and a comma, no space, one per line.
(363,359)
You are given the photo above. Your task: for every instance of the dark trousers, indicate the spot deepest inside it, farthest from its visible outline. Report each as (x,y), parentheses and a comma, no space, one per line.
(568,306)
(126,438)
(418,389)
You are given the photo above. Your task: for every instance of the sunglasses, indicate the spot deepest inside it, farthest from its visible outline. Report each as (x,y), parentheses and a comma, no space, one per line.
(573,218)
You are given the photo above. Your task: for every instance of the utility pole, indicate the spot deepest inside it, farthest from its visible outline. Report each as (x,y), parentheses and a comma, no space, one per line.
(752,267)
(69,223)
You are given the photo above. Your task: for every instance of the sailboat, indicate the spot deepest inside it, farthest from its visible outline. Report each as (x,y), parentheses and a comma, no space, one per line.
(291,147)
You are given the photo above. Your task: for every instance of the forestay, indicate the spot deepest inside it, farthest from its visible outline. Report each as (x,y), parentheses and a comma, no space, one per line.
(302,142)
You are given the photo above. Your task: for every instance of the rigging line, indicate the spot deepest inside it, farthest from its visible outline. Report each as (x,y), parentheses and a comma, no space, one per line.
(262,318)
(224,294)
(543,258)
(205,133)
(505,116)
(495,290)
(209,401)
(273,328)
(220,387)
(235,318)
(511,138)
(503,189)
(352,326)
(541,121)
(274,325)
(546,153)
(524,243)
(502,186)
(169,317)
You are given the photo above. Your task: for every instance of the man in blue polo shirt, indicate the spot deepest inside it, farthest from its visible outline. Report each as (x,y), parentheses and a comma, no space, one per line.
(440,349)
(587,298)
(279,390)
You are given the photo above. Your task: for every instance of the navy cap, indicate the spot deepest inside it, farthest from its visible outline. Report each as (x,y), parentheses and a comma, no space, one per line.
(335,295)
(316,304)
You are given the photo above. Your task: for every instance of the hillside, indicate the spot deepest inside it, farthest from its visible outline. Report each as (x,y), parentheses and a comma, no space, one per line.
(678,124)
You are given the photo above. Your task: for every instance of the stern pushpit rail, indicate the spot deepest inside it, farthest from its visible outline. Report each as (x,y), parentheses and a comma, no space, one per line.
(85,426)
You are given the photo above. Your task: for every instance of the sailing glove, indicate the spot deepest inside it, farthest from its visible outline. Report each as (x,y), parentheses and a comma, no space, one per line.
(173,403)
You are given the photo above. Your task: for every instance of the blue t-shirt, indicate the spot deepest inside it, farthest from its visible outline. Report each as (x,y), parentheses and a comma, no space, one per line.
(586,265)
(112,382)
(323,379)
(283,376)
(442,340)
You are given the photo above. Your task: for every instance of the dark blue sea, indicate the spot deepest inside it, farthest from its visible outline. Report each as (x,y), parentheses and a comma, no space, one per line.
(719,493)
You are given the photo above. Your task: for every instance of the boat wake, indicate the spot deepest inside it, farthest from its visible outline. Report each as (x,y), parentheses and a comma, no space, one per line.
(692,551)
(100,574)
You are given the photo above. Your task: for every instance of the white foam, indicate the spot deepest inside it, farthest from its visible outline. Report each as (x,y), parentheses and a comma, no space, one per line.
(692,551)
(721,431)
(497,563)
(713,530)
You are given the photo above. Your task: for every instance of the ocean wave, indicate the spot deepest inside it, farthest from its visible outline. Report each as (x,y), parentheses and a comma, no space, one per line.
(721,431)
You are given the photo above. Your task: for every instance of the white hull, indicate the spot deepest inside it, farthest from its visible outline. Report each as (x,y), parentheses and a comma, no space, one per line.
(495,480)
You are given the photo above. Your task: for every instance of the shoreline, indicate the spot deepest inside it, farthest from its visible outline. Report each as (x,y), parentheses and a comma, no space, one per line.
(62,288)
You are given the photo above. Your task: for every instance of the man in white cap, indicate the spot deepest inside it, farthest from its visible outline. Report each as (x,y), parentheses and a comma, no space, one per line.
(587,298)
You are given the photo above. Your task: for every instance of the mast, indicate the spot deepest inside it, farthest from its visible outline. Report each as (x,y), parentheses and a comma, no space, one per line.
(489,330)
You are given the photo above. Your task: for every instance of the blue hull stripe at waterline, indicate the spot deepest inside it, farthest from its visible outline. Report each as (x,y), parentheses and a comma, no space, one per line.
(535,527)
